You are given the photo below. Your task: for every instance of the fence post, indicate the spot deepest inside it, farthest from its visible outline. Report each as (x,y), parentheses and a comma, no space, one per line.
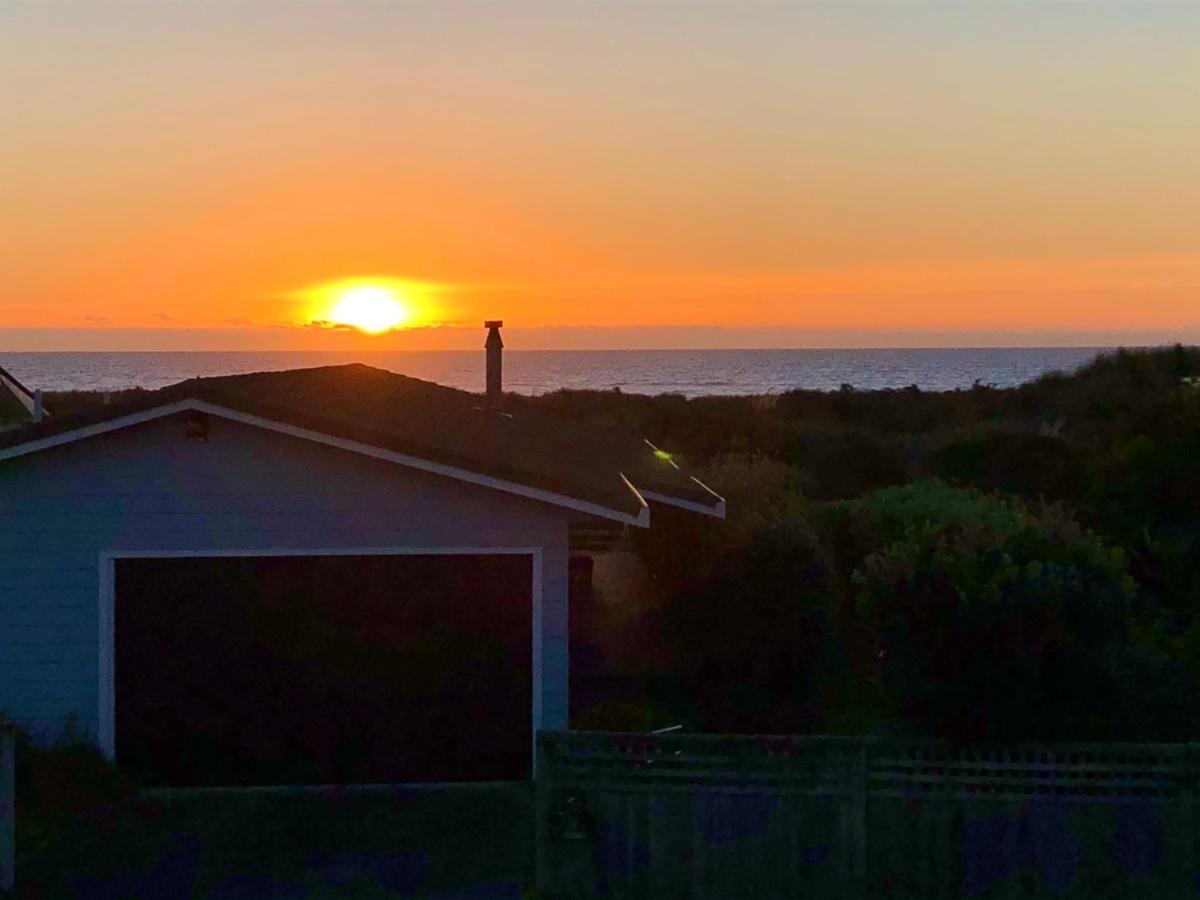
(858,813)
(1191,768)
(542,786)
(8,838)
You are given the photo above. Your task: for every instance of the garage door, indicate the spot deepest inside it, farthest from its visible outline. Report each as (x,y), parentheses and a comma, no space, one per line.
(323,670)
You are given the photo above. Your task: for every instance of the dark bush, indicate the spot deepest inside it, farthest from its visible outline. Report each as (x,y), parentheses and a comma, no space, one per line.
(682,548)
(991,625)
(836,463)
(1148,484)
(752,641)
(70,775)
(65,403)
(1023,463)
(57,784)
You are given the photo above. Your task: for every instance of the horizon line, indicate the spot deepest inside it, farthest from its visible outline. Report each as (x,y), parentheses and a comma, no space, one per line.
(864,347)
(551,338)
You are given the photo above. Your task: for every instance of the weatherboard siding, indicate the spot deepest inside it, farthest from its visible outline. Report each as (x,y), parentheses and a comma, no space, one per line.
(147,489)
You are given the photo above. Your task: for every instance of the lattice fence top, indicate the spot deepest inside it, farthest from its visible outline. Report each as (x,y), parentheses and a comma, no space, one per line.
(1079,771)
(883,767)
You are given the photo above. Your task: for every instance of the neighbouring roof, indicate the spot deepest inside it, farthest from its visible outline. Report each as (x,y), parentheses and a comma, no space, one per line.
(421,422)
(16,400)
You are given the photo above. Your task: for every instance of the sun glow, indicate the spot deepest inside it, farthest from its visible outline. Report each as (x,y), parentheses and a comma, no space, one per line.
(370,305)
(370,308)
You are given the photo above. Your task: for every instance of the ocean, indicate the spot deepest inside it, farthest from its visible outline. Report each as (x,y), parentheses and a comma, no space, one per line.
(688,372)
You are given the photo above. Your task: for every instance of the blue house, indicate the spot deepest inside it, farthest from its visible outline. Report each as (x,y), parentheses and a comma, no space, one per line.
(324,575)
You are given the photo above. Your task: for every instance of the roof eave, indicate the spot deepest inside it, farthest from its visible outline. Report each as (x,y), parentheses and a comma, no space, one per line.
(716,511)
(640,518)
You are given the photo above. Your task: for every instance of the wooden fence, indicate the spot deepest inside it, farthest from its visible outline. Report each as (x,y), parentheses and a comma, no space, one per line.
(707,816)
(8,842)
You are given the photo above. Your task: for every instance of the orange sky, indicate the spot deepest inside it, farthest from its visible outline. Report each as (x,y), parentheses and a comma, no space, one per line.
(173,176)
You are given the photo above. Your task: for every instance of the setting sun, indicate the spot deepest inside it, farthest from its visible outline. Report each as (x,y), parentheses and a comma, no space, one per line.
(371,305)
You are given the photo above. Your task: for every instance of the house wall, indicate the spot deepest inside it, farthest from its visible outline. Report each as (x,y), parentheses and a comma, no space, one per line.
(66,511)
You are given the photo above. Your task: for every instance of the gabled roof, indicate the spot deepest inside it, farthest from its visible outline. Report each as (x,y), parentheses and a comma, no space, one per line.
(16,400)
(420,424)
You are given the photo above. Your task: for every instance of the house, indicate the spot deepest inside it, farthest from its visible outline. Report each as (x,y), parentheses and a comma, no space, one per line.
(336,574)
(18,404)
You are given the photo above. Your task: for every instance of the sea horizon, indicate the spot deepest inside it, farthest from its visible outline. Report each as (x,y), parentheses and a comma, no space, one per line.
(692,373)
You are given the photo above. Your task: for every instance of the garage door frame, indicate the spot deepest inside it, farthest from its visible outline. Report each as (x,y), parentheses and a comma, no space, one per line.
(107,736)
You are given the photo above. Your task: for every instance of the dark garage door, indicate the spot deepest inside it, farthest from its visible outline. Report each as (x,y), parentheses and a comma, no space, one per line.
(323,670)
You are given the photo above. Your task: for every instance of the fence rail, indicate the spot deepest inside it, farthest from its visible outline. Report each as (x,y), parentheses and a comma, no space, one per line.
(721,816)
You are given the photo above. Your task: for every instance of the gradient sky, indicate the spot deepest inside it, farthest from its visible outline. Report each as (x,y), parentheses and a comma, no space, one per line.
(601,174)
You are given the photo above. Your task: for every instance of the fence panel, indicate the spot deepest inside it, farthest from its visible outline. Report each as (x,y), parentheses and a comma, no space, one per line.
(705,816)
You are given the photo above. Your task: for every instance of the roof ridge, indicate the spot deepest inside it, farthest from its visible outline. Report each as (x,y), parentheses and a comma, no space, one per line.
(267,373)
(397,413)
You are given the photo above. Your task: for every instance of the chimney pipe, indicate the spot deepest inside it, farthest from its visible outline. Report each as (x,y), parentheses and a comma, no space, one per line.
(494,346)
(39,408)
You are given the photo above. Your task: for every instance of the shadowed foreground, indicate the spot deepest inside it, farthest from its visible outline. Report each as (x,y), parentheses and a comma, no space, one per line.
(710,816)
(471,842)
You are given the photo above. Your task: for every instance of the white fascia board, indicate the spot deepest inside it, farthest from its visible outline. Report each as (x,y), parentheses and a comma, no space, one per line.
(716,512)
(643,517)
(641,520)
(79,434)
(720,507)
(24,397)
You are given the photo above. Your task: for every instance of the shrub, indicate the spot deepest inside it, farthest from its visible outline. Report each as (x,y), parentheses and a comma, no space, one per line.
(681,547)
(836,463)
(640,714)
(991,624)
(71,774)
(1028,464)
(752,640)
(66,403)
(1146,483)
(745,609)
(55,784)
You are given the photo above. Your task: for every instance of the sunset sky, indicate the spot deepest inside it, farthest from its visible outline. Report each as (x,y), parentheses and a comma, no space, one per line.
(196,175)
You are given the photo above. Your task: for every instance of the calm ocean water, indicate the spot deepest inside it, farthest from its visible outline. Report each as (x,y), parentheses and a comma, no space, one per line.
(689,372)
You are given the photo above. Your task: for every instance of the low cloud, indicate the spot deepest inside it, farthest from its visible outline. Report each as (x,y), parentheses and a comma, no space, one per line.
(326,325)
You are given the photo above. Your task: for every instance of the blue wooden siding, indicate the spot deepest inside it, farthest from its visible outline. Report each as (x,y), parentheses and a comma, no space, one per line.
(146,488)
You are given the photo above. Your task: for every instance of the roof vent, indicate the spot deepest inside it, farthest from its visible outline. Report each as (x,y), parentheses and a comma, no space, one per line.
(494,346)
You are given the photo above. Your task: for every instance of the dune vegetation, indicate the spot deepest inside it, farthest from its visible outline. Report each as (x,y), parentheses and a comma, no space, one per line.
(981,564)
